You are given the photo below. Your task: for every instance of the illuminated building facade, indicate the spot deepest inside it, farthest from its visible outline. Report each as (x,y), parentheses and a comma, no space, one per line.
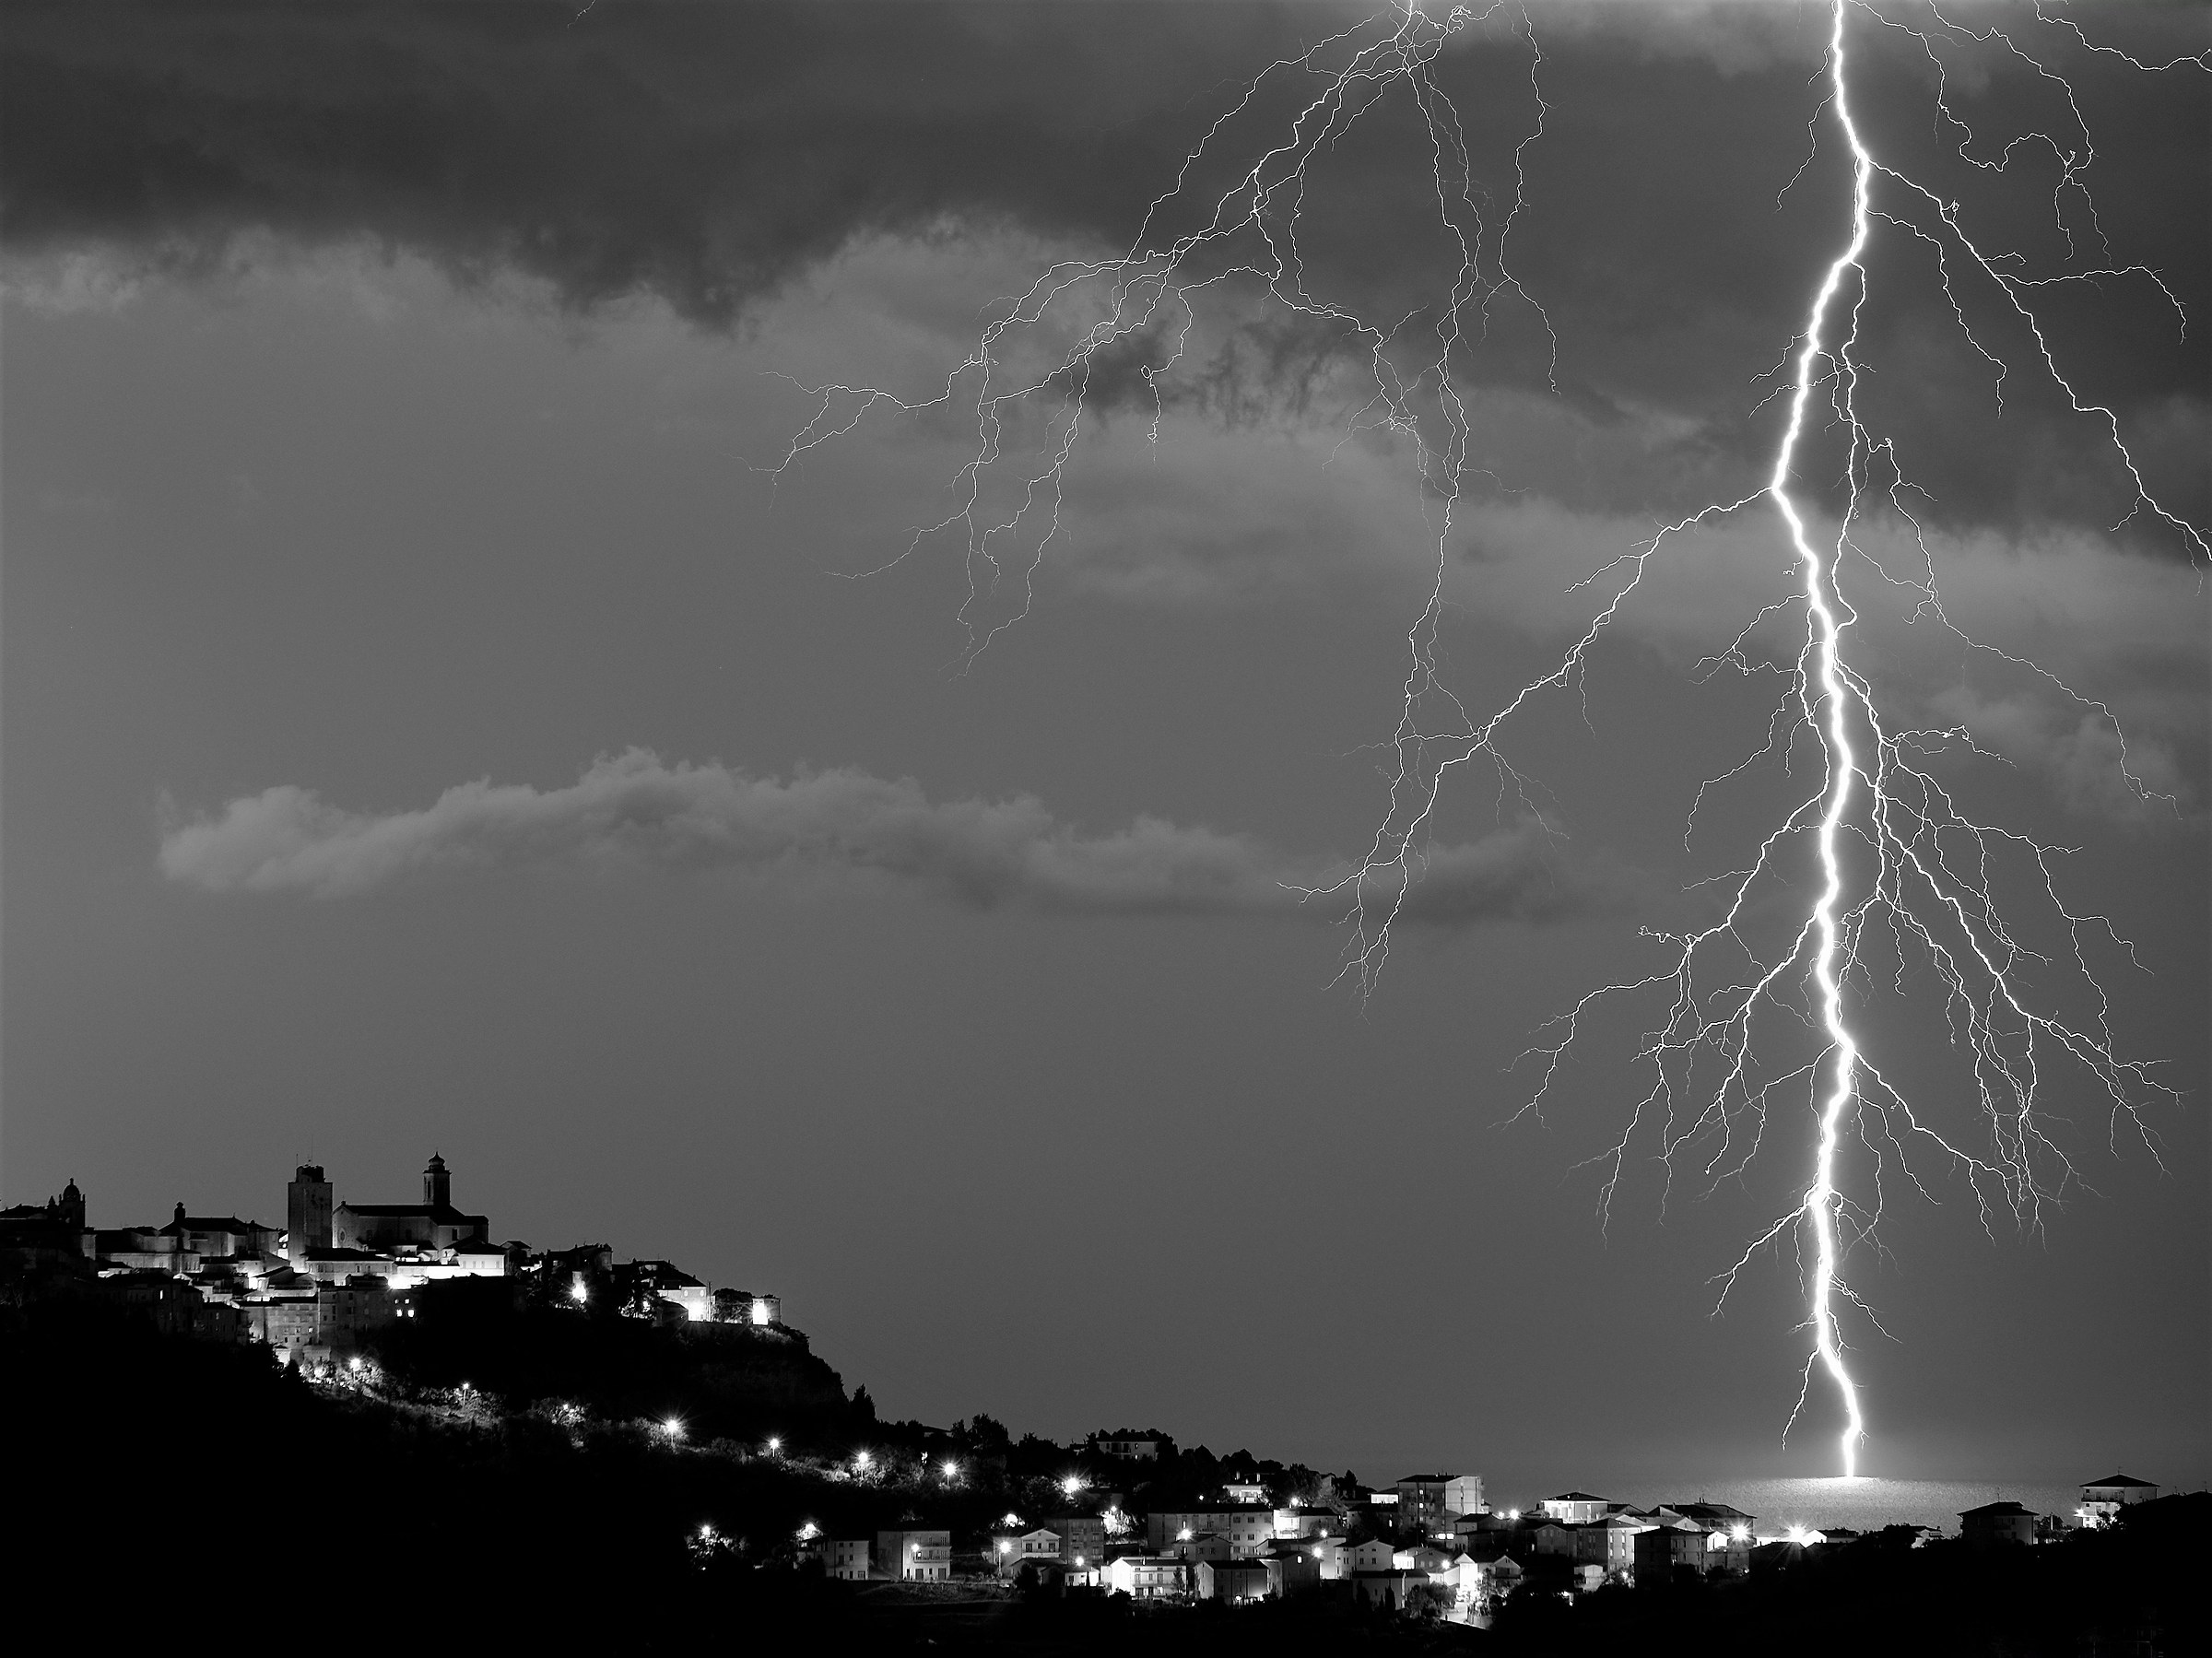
(2102,1502)
(1577,1508)
(1249,1528)
(432,1224)
(1148,1577)
(915,1557)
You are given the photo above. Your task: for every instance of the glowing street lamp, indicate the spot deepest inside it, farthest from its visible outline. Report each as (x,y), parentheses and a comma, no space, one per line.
(580,1292)
(673,1426)
(775,1444)
(863,1461)
(952,1470)
(1071,1485)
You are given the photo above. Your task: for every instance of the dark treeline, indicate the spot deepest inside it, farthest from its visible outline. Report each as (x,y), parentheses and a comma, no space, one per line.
(218,1494)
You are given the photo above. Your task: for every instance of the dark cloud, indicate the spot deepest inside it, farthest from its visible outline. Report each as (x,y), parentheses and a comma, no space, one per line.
(708,154)
(701,153)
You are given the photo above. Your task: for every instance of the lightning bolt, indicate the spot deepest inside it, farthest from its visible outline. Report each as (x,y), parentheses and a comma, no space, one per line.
(1900,861)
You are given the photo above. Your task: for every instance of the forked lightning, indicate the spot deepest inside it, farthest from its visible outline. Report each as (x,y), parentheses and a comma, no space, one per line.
(1898,856)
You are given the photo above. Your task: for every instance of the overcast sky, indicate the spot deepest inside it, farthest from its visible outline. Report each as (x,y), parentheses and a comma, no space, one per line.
(431,723)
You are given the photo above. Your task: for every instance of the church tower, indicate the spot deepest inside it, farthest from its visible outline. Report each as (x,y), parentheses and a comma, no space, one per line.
(437,1185)
(307,1212)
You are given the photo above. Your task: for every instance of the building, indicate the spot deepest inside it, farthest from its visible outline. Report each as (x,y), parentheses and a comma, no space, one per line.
(743,1307)
(1555,1536)
(1148,1577)
(1374,1555)
(1082,1539)
(433,1223)
(1421,1502)
(1202,1546)
(1249,1529)
(1713,1516)
(52,1232)
(1576,1508)
(914,1556)
(1233,1581)
(1609,1543)
(1334,1553)
(2101,1502)
(1663,1548)
(347,1311)
(185,1244)
(1291,1570)
(642,1282)
(1141,1446)
(1010,1551)
(1303,1522)
(846,1559)
(307,1212)
(1997,1523)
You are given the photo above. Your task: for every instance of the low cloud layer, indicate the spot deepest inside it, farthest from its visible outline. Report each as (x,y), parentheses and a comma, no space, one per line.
(637,810)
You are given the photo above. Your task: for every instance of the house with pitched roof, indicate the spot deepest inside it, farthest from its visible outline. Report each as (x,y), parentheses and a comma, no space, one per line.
(2102,1500)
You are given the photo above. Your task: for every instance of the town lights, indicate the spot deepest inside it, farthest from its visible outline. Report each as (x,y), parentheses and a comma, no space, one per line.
(809,1531)
(580,1292)
(863,1461)
(673,1426)
(952,1470)
(354,1364)
(1742,1534)
(774,1445)
(1071,1485)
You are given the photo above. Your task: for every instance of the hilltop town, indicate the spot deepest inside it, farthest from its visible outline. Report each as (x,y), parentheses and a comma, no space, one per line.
(412,1348)
(318,1287)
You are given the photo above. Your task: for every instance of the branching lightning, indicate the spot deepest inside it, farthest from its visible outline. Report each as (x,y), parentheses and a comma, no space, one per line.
(1900,861)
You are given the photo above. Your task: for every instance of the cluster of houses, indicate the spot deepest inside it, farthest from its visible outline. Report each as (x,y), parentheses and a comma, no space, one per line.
(336,1271)
(1430,1538)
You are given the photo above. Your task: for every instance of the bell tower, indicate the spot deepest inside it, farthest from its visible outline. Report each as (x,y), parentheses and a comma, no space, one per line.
(306,1212)
(437,1184)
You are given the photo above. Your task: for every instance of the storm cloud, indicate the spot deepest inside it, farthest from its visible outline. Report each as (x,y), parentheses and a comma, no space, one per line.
(708,157)
(634,810)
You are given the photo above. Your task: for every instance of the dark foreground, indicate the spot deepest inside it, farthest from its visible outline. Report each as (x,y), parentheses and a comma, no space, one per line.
(165,1491)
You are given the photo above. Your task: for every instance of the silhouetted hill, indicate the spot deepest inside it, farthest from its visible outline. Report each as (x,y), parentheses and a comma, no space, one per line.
(731,1382)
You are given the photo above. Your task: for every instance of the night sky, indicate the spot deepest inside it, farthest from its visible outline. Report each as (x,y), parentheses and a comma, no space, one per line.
(430,725)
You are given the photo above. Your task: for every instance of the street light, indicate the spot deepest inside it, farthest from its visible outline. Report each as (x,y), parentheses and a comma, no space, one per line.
(673,1426)
(775,1444)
